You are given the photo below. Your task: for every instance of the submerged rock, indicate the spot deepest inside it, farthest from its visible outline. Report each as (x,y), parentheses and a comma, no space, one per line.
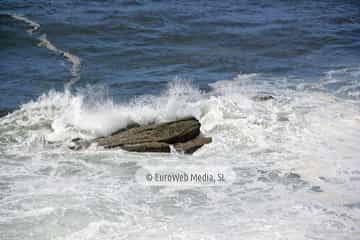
(4,112)
(183,134)
(262,98)
(78,144)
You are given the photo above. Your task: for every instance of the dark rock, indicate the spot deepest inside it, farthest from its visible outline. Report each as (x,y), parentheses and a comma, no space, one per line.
(262,98)
(147,147)
(192,145)
(183,134)
(316,189)
(78,144)
(282,118)
(76,139)
(292,175)
(4,112)
(171,132)
(131,125)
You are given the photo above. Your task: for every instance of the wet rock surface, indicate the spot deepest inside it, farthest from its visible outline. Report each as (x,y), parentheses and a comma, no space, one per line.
(183,134)
(192,145)
(147,147)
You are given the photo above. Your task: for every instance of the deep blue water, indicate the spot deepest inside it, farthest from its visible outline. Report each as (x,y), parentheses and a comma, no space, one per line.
(136,47)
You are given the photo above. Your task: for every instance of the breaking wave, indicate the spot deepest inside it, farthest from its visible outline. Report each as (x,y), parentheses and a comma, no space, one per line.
(311,133)
(344,82)
(228,110)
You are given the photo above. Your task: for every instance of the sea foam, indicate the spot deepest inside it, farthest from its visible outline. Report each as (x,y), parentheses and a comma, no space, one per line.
(296,152)
(44,41)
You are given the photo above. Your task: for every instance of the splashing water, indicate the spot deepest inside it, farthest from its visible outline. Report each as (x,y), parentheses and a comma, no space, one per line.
(295,158)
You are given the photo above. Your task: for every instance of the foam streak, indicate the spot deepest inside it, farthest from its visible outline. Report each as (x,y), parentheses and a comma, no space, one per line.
(34,26)
(44,41)
(74,60)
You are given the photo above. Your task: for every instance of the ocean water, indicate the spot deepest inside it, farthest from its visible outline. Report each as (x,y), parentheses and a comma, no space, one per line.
(87,68)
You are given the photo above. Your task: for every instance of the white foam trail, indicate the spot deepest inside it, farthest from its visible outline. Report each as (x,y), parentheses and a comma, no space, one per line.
(34,25)
(74,60)
(44,41)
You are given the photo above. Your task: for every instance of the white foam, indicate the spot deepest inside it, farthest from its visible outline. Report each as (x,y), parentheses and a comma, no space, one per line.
(71,58)
(227,112)
(312,133)
(343,81)
(93,112)
(34,25)
(74,60)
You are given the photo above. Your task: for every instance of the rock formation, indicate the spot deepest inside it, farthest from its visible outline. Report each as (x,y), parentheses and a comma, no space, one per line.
(183,134)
